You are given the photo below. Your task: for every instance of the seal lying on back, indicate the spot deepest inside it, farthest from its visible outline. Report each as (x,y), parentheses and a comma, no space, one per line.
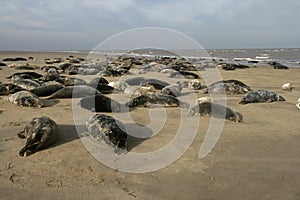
(155,99)
(25,98)
(258,96)
(229,87)
(39,133)
(215,110)
(100,103)
(77,91)
(108,129)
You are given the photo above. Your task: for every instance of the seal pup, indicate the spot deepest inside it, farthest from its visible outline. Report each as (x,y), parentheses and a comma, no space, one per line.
(259,96)
(216,111)
(194,84)
(287,86)
(100,103)
(39,133)
(25,98)
(156,99)
(77,91)
(108,129)
(228,86)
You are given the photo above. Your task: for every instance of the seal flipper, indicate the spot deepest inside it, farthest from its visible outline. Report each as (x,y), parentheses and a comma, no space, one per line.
(21,134)
(29,149)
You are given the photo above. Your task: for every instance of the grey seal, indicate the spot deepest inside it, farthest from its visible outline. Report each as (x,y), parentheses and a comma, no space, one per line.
(26,84)
(259,96)
(39,133)
(25,98)
(228,86)
(77,91)
(156,99)
(215,110)
(108,129)
(157,84)
(100,103)
(47,89)
(8,88)
(173,90)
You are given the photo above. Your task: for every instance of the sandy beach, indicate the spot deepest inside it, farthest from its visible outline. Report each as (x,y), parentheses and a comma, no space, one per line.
(256,159)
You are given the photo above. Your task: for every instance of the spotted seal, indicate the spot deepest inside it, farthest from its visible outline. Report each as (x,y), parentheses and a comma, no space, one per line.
(76,91)
(24,75)
(194,84)
(258,96)
(155,99)
(8,88)
(100,103)
(39,134)
(135,91)
(216,111)
(108,129)
(228,86)
(25,98)
(157,84)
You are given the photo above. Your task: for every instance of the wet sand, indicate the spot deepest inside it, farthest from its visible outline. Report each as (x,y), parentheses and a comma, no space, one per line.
(257,159)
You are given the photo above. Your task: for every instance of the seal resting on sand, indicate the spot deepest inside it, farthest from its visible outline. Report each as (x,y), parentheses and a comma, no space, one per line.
(108,129)
(100,103)
(25,98)
(228,86)
(77,91)
(215,110)
(39,133)
(259,96)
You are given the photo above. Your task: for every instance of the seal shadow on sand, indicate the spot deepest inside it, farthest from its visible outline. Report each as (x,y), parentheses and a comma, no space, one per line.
(50,102)
(132,131)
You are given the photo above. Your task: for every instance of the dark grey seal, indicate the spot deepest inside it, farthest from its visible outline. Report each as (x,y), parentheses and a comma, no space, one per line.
(47,89)
(25,98)
(215,110)
(155,99)
(259,96)
(135,80)
(39,134)
(228,86)
(77,91)
(173,90)
(108,129)
(100,103)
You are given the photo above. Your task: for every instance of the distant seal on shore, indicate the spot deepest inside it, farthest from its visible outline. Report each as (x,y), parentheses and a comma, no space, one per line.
(156,99)
(259,96)
(194,84)
(215,110)
(134,91)
(106,128)
(100,103)
(135,80)
(119,85)
(24,75)
(39,133)
(228,86)
(68,81)
(77,91)
(287,86)
(157,84)
(25,98)
(187,75)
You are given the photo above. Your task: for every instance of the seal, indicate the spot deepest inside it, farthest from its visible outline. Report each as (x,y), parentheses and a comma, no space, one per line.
(228,86)
(287,86)
(100,103)
(119,85)
(298,103)
(187,75)
(39,134)
(26,84)
(24,75)
(8,88)
(173,90)
(68,81)
(77,91)
(216,111)
(98,80)
(258,96)
(108,129)
(47,89)
(203,99)
(157,84)
(194,84)
(101,84)
(25,98)
(155,99)
(135,80)
(134,91)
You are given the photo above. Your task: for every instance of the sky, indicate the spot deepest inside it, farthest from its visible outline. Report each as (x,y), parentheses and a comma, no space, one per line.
(83,24)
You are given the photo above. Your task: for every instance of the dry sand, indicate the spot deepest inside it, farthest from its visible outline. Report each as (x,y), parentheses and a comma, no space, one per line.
(257,159)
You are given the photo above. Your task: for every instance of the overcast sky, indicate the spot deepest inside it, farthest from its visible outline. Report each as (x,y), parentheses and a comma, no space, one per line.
(83,24)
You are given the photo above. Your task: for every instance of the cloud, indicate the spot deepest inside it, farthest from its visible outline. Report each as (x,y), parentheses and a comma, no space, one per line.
(93,21)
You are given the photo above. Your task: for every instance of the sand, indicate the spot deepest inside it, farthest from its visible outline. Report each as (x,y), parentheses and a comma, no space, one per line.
(257,159)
